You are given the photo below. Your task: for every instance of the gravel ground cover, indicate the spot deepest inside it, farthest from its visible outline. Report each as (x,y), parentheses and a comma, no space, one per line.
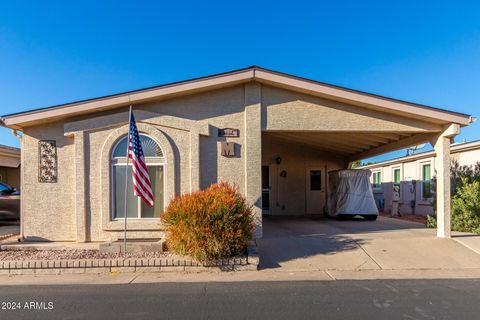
(13,255)
(407,217)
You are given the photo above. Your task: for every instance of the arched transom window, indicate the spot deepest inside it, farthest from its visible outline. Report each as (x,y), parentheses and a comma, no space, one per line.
(136,208)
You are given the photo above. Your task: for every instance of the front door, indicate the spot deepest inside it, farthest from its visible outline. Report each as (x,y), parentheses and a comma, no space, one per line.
(315,196)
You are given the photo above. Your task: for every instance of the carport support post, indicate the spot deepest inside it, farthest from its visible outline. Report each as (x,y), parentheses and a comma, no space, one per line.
(253,152)
(80,185)
(442,166)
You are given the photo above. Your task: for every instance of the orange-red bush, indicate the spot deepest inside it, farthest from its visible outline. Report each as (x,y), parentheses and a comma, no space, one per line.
(209,224)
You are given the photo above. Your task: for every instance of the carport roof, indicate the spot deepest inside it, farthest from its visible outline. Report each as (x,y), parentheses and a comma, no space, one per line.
(254,73)
(9,156)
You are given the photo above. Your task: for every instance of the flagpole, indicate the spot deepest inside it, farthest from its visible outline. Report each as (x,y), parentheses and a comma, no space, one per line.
(126,183)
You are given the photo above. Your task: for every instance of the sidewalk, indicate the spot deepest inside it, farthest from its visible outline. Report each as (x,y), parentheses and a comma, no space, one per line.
(238,276)
(304,250)
(469,240)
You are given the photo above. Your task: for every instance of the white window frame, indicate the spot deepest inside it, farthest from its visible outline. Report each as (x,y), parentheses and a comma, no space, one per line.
(393,178)
(422,164)
(121,162)
(377,188)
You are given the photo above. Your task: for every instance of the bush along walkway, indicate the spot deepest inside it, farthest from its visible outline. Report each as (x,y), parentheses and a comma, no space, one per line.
(124,265)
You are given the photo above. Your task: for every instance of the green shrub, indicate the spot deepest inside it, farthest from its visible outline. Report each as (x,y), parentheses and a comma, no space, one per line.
(466,207)
(209,224)
(431,221)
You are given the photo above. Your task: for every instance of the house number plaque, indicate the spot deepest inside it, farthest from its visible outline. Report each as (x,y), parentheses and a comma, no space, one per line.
(229,132)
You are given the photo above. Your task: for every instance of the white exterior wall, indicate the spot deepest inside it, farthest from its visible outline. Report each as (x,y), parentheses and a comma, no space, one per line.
(468,157)
(288,195)
(411,169)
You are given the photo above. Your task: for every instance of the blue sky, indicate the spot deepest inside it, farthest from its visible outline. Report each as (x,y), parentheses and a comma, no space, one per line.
(56,52)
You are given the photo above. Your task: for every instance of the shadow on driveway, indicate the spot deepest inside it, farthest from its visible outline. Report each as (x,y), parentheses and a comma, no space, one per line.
(314,243)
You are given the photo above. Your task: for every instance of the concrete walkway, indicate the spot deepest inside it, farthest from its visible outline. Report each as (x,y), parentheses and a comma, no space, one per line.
(469,240)
(237,276)
(303,244)
(7,229)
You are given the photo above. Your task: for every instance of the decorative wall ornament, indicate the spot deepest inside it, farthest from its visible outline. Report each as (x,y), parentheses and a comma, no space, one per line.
(228,149)
(47,162)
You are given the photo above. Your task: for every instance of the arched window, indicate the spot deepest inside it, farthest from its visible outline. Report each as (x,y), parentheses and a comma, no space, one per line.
(136,208)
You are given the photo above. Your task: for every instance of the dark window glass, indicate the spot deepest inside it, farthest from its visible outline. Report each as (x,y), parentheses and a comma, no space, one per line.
(315,180)
(265,187)
(265,177)
(266,200)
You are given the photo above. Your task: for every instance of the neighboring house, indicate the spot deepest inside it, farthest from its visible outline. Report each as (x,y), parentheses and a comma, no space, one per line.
(273,135)
(10,166)
(413,174)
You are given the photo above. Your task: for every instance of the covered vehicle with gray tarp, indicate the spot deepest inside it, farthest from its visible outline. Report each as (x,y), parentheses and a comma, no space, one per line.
(350,193)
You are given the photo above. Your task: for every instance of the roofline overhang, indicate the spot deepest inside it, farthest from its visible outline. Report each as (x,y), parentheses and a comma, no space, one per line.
(454,148)
(9,152)
(261,75)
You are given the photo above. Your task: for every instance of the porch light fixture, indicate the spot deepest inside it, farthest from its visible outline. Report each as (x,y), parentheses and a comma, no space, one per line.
(278,160)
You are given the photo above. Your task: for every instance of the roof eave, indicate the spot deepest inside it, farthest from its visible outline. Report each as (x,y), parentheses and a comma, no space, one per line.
(19,120)
(456,148)
(134,97)
(361,98)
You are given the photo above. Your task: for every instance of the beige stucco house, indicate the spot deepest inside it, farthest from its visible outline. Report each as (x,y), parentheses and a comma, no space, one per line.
(238,127)
(10,166)
(413,174)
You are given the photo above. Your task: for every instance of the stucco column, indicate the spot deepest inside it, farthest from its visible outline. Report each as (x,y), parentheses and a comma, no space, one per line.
(22,179)
(194,160)
(80,187)
(442,166)
(253,152)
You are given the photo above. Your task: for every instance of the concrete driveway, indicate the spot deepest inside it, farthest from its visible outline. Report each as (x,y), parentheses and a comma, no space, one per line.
(299,244)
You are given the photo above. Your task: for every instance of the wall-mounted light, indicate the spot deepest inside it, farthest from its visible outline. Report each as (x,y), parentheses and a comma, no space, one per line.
(278,160)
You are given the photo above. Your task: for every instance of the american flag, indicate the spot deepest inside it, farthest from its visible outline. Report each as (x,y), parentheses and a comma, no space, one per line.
(141,181)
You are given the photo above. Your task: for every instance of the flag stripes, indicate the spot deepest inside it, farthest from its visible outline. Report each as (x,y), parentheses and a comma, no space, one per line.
(142,186)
